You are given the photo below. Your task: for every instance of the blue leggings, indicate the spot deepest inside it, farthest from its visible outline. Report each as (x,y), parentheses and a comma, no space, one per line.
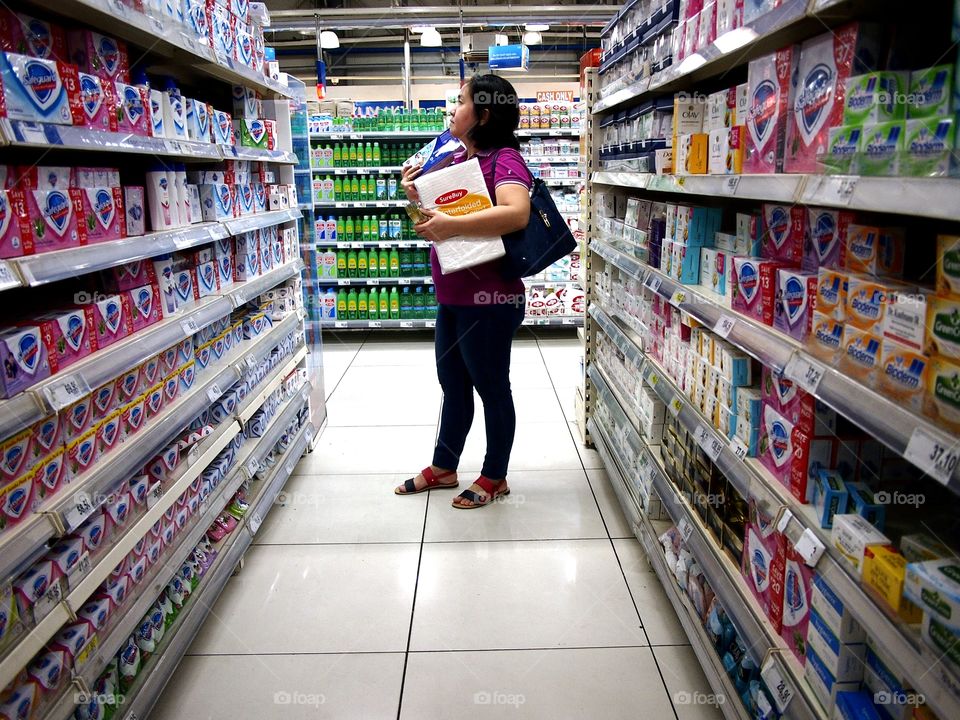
(473,351)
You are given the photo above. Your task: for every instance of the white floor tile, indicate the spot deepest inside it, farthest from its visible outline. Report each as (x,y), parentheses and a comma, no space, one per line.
(591,458)
(529,375)
(617,524)
(656,612)
(689,690)
(344,509)
(540,506)
(516,595)
(371,450)
(396,353)
(384,395)
(608,683)
(285,687)
(537,405)
(315,598)
(568,401)
(536,446)
(565,369)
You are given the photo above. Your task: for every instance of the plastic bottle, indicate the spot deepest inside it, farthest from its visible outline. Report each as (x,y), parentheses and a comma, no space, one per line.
(384,262)
(418,303)
(383,228)
(373,305)
(406,303)
(338,189)
(421,262)
(341,263)
(377,157)
(183,204)
(354,188)
(352,264)
(362,308)
(363,188)
(329,311)
(368,155)
(337,156)
(342,304)
(174,111)
(406,262)
(394,263)
(373,263)
(384,302)
(330,228)
(396,227)
(393,187)
(361,264)
(381,185)
(352,155)
(352,304)
(431,306)
(341,231)
(158,198)
(349,232)
(365,229)
(394,304)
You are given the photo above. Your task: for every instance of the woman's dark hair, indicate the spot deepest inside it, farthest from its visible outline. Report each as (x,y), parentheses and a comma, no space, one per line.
(493,93)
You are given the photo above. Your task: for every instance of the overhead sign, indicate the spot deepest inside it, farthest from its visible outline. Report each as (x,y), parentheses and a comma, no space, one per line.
(509,57)
(555,96)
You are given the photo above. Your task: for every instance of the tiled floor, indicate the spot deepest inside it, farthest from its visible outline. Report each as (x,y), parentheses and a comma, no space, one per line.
(357,603)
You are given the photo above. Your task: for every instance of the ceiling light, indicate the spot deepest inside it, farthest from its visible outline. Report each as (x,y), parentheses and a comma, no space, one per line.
(532,38)
(329,40)
(533,27)
(431,38)
(421,29)
(502,39)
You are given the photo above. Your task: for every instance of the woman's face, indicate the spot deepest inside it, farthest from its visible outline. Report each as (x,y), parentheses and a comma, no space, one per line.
(463,118)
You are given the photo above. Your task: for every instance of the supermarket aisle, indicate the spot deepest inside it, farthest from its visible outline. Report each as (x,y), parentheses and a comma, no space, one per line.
(357,603)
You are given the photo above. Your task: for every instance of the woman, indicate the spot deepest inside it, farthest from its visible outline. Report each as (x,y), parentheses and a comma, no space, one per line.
(479,312)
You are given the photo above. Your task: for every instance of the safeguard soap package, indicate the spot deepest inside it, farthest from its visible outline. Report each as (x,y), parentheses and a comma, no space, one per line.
(459,190)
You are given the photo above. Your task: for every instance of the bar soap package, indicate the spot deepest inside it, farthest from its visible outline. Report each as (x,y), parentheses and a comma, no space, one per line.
(459,190)
(436,154)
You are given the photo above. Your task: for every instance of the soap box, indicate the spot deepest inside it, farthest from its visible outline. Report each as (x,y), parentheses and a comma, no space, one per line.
(818,98)
(832,288)
(754,287)
(930,92)
(933,586)
(875,250)
(134,210)
(26,35)
(217,202)
(255,133)
(16,238)
(851,535)
(832,610)
(40,90)
(875,98)
(103,214)
(198,120)
(768,91)
(24,357)
(795,601)
(796,299)
(927,147)
(880,149)
(761,544)
(142,306)
(776,444)
(828,495)
(845,662)
(100,55)
(110,321)
(905,318)
(861,354)
(843,145)
(132,110)
(826,337)
(55,219)
(222,128)
(825,239)
(943,327)
(98,102)
(67,337)
(948,264)
(867,301)
(784,228)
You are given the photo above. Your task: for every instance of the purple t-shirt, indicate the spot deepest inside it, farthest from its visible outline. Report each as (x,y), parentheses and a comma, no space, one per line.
(472,285)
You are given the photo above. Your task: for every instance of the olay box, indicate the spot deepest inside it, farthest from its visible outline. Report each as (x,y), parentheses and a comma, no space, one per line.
(68,336)
(111,321)
(796,298)
(102,214)
(99,102)
(754,287)
(24,357)
(56,219)
(100,55)
(40,90)
(825,238)
(142,306)
(769,84)
(783,233)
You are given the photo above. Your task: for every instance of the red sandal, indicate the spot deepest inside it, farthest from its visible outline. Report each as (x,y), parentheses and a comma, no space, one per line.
(409,486)
(492,489)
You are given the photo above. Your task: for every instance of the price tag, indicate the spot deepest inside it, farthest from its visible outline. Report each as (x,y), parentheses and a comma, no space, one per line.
(782,693)
(214,392)
(81,510)
(88,652)
(373,281)
(66,391)
(568,321)
(654,283)
(342,205)
(724,326)
(291,466)
(340,324)
(844,189)
(677,298)
(730,185)
(336,136)
(189,326)
(50,599)
(153,497)
(738,448)
(676,405)
(251,362)
(384,204)
(935,455)
(8,278)
(653,380)
(343,281)
(255,522)
(375,324)
(809,547)
(79,571)
(685,528)
(193,454)
(805,372)
(406,324)
(253,467)
(708,440)
(785,517)
(431,323)
(403,281)
(173,147)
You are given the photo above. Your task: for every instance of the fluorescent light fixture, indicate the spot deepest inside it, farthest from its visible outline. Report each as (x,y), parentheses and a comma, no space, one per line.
(502,39)
(735,39)
(534,27)
(431,38)
(329,40)
(532,38)
(421,29)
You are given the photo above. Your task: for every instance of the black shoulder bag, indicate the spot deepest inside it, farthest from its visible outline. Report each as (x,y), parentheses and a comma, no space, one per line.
(544,240)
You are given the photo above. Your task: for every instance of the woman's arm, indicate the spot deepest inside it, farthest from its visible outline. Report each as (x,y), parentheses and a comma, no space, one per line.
(511,213)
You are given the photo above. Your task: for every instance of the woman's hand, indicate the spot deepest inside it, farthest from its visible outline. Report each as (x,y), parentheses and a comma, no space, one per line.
(439,227)
(411,173)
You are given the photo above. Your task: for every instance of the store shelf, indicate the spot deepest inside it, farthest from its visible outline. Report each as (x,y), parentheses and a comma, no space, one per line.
(375,324)
(548,132)
(348,282)
(377,135)
(553,321)
(920,196)
(562,182)
(253,403)
(773,188)
(62,264)
(750,479)
(238,152)
(151,682)
(551,159)
(382,170)
(711,663)
(360,204)
(250,290)
(401,244)
(162,37)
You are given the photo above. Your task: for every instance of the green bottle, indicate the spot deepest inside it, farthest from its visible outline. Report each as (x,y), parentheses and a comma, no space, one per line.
(352,264)
(348,233)
(338,189)
(342,305)
(352,156)
(365,229)
(406,304)
(406,262)
(394,263)
(361,264)
(373,305)
(384,302)
(341,230)
(376,154)
(362,308)
(384,258)
(341,263)
(352,304)
(431,307)
(371,193)
(421,263)
(354,188)
(363,188)
(337,156)
(394,304)
(373,263)
(368,154)
(418,303)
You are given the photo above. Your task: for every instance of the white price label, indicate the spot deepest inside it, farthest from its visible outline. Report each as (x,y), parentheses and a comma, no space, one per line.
(342,205)
(805,372)
(784,522)
(81,510)
(193,454)
(383,203)
(730,185)
(678,297)
(173,147)
(8,278)
(724,326)
(43,606)
(255,522)
(336,136)
(676,405)
(340,324)
(844,189)
(431,323)
(182,240)
(782,693)
(373,281)
(251,361)
(79,571)
(567,321)
(738,448)
(374,324)
(291,466)
(153,497)
(685,528)
(253,467)
(214,392)
(403,281)
(66,391)
(654,283)
(934,454)
(709,442)
(809,547)
(406,324)
(189,326)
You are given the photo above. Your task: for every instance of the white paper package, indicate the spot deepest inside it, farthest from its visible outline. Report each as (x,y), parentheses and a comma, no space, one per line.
(459,190)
